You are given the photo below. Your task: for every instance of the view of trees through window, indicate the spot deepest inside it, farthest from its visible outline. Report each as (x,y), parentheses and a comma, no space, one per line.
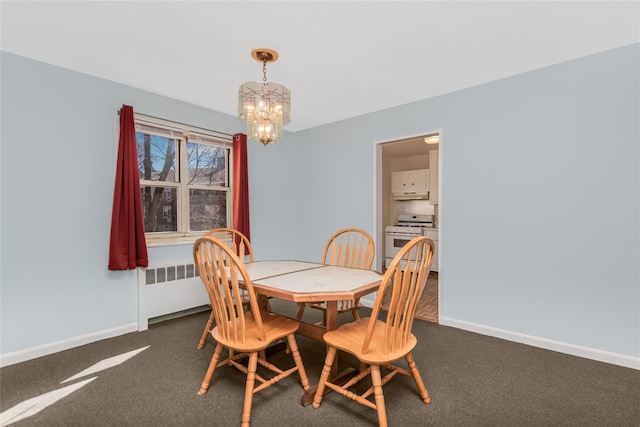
(184,184)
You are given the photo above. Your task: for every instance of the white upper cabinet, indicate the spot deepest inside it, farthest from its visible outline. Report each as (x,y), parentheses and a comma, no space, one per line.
(433,176)
(413,182)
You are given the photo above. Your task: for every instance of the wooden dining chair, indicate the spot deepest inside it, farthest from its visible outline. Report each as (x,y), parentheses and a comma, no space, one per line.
(378,343)
(349,247)
(241,246)
(246,333)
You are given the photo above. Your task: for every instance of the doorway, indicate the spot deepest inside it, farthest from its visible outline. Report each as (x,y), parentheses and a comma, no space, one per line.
(401,154)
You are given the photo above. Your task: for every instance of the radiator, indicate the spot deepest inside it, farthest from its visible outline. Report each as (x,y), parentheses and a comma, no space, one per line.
(167,289)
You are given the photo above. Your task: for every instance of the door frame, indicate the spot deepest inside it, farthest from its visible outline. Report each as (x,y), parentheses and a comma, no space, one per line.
(378,232)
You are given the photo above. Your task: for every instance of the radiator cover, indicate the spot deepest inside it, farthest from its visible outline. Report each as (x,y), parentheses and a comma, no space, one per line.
(166,289)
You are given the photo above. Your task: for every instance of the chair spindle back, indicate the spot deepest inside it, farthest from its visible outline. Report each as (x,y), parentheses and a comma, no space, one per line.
(407,276)
(221,272)
(350,247)
(238,242)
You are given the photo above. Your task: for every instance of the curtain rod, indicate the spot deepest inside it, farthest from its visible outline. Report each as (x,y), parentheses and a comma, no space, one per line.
(178,123)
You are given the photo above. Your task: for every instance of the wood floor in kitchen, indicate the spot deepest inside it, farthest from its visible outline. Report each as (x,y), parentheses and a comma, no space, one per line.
(428,305)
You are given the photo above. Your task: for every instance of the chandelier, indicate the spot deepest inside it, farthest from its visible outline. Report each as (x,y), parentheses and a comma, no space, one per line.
(265,106)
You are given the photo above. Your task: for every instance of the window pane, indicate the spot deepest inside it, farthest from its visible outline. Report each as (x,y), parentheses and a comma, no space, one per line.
(156,157)
(207,164)
(208,209)
(160,208)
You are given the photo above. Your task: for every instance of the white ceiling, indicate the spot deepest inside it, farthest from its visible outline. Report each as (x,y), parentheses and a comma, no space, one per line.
(339,59)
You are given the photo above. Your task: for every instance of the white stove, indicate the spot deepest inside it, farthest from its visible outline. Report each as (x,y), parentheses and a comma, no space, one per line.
(407,227)
(415,230)
(410,224)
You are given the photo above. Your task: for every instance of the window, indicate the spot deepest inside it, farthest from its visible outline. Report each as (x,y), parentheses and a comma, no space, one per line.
(184,178)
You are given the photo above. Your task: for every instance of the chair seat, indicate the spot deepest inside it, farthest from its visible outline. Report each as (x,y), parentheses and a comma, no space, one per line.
(350,338)
(275,328)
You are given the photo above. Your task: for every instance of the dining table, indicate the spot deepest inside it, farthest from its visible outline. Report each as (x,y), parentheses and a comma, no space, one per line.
(308,282)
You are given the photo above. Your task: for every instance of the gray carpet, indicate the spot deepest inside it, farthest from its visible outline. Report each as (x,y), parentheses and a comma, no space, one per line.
(473,380)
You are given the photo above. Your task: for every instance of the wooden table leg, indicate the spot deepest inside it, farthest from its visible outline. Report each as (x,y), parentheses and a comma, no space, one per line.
(331,323)
(263,302)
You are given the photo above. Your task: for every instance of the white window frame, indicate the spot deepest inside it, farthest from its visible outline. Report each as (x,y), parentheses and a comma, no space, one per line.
(185,133)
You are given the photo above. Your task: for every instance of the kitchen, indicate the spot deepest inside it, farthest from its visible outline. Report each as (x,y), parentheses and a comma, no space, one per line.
(410,201)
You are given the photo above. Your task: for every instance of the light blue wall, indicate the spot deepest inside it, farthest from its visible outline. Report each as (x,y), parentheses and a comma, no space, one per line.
(540,199)
(540,189)
(542,220)
(59,147)
(304,189)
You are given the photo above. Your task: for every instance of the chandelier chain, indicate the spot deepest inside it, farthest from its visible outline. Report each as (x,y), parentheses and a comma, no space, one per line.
(264,70)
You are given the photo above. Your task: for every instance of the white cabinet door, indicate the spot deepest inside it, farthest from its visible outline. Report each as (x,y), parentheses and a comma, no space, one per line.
(413,181)
(419,180)
(433,176)
(399,182)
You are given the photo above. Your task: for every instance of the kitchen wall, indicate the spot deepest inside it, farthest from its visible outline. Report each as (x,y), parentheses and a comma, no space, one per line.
(420,161)
(413,207)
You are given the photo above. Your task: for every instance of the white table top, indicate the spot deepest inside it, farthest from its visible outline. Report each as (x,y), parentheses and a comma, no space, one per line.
(305,281)
(261,269)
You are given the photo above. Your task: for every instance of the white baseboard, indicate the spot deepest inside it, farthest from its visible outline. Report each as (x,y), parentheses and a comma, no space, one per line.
(47,349)
(561,347)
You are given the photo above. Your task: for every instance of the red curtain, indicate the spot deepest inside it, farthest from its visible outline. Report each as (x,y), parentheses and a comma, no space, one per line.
(240,185)
(128,247)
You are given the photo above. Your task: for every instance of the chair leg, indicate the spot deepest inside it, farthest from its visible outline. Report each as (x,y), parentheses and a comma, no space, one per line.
(376,379)
(205,333)
(324,377)
(248,390)
(301,307)
(424,395)
(212,367)
(293,347)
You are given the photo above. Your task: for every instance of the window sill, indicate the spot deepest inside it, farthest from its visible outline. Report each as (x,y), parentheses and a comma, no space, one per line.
(171,241)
